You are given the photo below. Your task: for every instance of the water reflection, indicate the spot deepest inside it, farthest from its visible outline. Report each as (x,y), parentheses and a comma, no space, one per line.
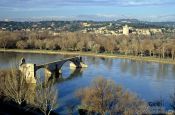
(139,68)
(124,65)
(108,62)
(75,73)
(59,76)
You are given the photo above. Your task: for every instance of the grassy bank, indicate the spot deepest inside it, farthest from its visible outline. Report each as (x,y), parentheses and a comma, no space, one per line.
(104,55)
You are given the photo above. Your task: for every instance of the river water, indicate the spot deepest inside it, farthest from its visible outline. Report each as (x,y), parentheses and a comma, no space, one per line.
(150,81)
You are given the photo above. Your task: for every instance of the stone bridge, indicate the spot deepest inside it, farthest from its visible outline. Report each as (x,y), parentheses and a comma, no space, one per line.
(29,70)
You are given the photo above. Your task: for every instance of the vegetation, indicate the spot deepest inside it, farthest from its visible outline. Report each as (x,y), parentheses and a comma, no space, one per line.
(101,97)
(13,87)
(46,98)
(160,46)
(73,26)
(16,87)
(105,97)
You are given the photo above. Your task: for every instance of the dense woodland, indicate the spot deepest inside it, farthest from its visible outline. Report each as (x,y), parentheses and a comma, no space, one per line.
(161,45)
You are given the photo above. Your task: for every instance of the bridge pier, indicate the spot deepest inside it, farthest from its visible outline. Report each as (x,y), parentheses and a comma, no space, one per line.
(81,65)
(28,71)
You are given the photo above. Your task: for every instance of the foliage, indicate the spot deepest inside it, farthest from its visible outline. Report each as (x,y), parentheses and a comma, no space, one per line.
(46,98)
(104,96)
(160,46)
(13,86)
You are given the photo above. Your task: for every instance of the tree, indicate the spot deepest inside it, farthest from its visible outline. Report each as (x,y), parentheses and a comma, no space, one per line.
(110,45)
(80,45)
(96,48)
(148,46)
(50,44)
(125,46)
(16,88)
(135,46)
(46,97)
(13,86)
(21,44)
(3,40)
(31,43)
(172,47)
(104,96)
(39,44)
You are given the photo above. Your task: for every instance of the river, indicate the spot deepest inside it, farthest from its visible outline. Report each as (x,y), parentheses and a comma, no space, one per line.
(150,81)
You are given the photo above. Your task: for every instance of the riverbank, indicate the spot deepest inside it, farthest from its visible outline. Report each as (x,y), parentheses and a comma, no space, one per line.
(104,55)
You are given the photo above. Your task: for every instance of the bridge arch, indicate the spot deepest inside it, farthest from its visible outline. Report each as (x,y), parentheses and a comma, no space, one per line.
(77,61)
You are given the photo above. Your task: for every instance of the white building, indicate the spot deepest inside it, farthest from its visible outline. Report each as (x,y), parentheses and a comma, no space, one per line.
(126,30)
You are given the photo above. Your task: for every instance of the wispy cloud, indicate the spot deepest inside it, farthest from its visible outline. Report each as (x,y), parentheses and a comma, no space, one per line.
(148,2)
(54,3)
(90,9)
(160,18)
(100,17)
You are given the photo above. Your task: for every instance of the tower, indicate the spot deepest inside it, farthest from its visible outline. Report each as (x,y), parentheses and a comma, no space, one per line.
(126,30)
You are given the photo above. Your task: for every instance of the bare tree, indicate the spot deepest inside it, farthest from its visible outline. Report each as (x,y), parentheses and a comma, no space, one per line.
(46,98)
(15,87)
(4,38)
(104,96)
(155,45)
(21,44)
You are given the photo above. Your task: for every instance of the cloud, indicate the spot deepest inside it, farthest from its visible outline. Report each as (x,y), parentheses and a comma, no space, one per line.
(54,3)
(160,18)
(147,2)
(110,17)
(23,8)
(100,17)
(51,5)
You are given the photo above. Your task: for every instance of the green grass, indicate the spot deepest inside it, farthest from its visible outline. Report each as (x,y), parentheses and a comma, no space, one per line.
(105,55)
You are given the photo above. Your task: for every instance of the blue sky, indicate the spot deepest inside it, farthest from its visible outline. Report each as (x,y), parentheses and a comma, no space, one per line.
(149,10)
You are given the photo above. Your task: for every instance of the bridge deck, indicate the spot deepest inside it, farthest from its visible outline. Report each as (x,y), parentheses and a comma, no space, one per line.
(57,63)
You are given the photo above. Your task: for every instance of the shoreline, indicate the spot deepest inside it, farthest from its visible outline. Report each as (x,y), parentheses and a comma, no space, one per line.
(103,55)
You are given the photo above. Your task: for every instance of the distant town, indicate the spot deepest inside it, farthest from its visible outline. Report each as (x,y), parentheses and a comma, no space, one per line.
(119,27)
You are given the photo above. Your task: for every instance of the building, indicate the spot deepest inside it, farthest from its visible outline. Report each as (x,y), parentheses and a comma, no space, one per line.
(153,30)
(126,30)
(143,32)
(85,24)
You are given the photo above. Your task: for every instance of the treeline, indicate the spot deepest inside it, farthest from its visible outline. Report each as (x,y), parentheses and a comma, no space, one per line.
(160,45)
(60,25)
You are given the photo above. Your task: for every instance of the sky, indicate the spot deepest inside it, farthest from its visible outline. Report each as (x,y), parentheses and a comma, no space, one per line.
(98,10)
